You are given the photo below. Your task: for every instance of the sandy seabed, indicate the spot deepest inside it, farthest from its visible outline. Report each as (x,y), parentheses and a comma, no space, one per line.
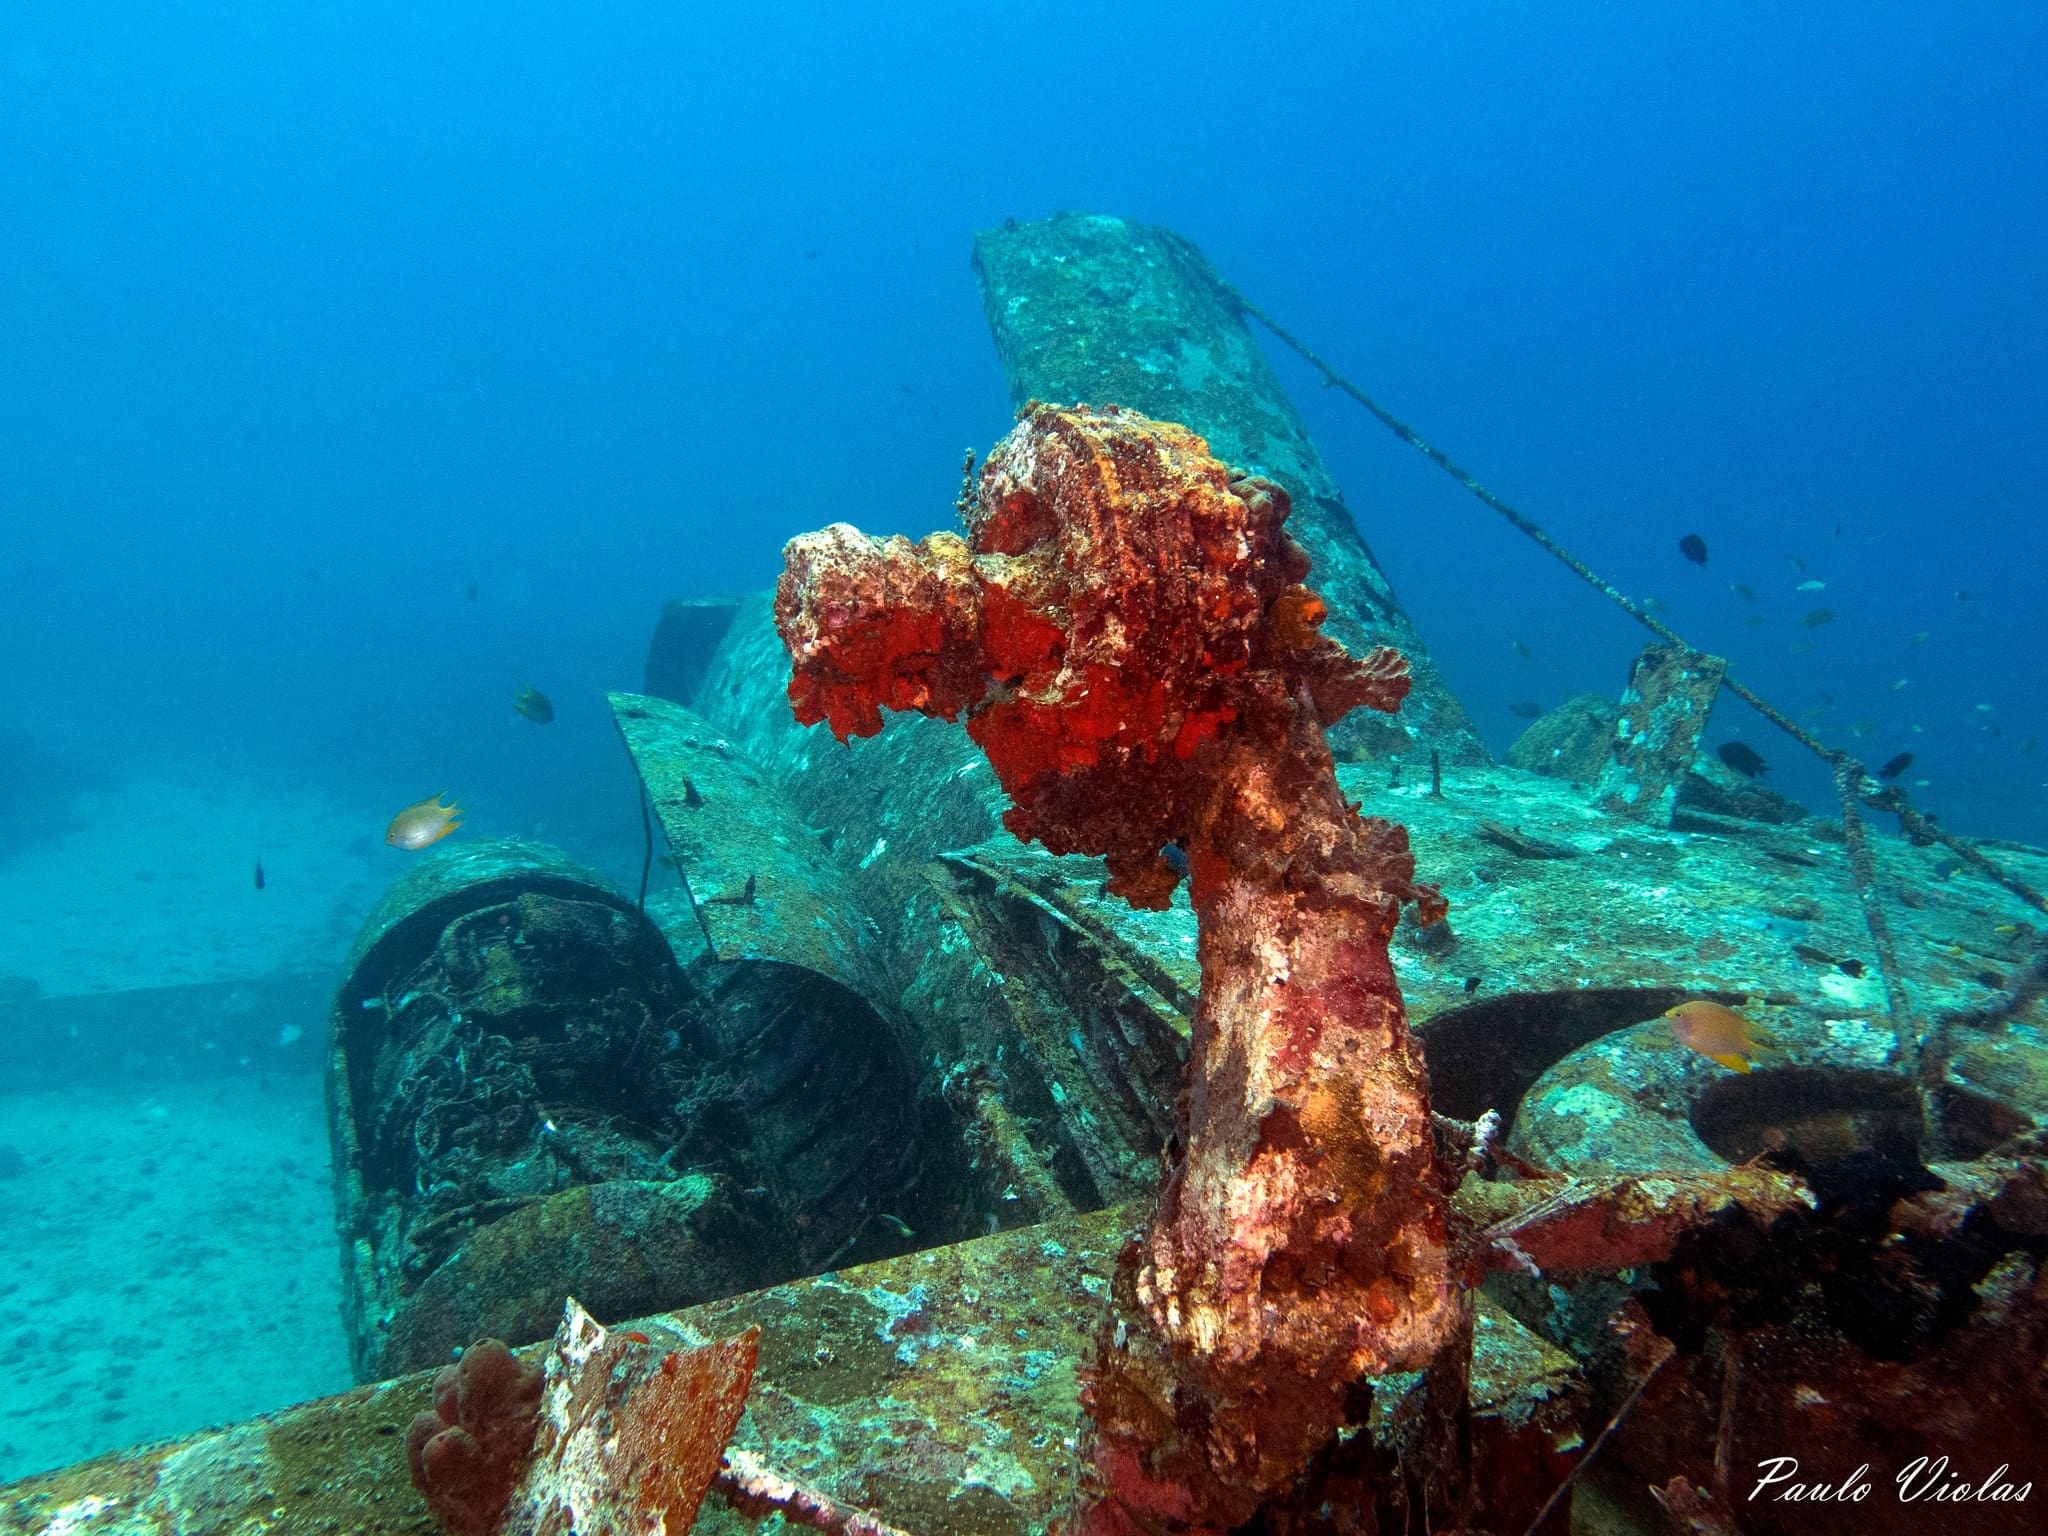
(170,1263)
(145,889)
(168,1254)
(168,1257)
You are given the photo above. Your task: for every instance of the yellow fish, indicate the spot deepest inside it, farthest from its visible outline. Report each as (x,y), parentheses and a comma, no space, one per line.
(1717,1033)
(427,821)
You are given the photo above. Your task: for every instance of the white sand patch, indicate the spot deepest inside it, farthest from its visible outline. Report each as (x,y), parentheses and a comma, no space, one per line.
(155,886)
(170,1263)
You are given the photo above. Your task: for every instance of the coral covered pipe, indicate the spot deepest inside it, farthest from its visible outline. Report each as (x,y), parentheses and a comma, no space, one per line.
(1126,630)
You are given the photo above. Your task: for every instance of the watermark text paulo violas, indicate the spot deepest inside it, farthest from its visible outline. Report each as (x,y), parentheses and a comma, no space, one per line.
(1923,1480)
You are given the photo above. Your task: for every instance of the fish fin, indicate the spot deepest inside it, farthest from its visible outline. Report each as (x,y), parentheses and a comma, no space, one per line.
(1764,1040)
(1731,1061)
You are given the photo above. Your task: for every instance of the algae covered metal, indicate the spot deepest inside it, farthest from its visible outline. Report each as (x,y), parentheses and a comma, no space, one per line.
(528,1096)
(795,1016)
(1664,713)
(939,1390)
(511,1100)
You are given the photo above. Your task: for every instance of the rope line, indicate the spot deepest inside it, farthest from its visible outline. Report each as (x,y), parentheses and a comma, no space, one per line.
(1572,562)
(1854,782)
(646,847)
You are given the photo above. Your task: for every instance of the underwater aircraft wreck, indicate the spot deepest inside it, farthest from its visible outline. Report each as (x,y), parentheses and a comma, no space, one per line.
(1120,1058)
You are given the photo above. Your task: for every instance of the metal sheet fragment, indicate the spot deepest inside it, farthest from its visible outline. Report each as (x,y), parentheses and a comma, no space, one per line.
(1664,711)
(631,1432)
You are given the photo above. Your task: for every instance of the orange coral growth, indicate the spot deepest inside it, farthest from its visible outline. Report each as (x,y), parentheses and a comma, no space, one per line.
(1129,634)
(1123,601)
(468,1455)
(1296,613)
(617,1435)
(891,619)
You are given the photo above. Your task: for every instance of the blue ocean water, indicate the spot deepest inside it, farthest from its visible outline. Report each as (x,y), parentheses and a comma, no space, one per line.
(319,315)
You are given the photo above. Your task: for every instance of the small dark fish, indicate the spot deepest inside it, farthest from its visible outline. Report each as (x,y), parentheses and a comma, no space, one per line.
(1744,760)
(1527,709)
(1896,766)
(259,874)
(1818,617)
(1743,592)
(1694,548)
(1521,650)
(533,704)
(1471,985)
(470,591)
(1962,596)
(1798,564)
(691,796)
(1176,859)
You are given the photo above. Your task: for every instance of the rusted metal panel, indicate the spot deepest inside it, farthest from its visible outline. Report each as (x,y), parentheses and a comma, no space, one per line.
(1097,1023)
